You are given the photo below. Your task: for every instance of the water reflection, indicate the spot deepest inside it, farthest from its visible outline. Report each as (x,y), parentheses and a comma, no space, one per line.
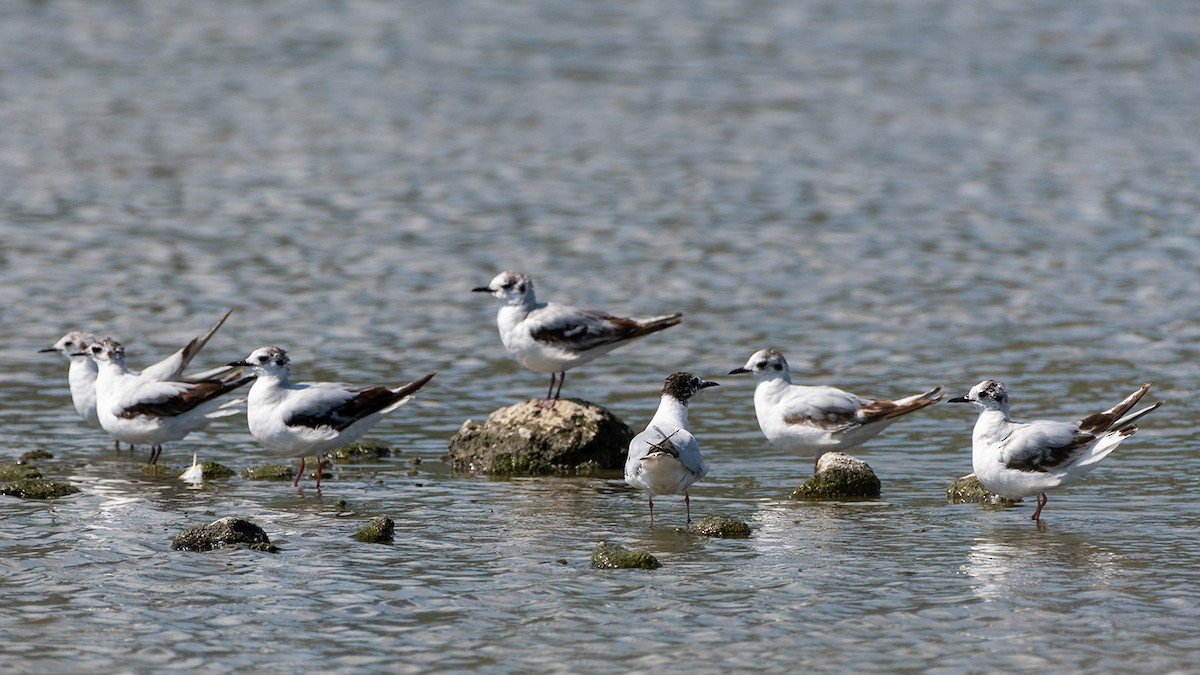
(1032,565)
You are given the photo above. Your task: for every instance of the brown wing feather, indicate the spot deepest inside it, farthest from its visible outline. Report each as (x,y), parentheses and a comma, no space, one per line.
(366,401)
(1053,457)
(199,392)
(1102,421)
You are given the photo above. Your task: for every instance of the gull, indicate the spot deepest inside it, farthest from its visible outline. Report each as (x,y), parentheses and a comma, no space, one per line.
(801,418)
(81,374)
(312,418)
(138,409)
(665,458)
(1021,459)
(550,338)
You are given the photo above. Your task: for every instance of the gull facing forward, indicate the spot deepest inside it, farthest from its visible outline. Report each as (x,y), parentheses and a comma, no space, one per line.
(552,338)
(312,418)
(801,418)
(137,409)
(1021,459)
(665,458)
(81,375)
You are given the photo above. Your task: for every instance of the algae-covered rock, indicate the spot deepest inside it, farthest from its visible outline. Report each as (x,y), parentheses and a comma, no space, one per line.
(610,556)
(227,531)
(719,526)
(11,472)
(378,530)
(360,451)
(34,455)
(528,439)
(269,472)
(37,488)
(839,476)
(159,470)
(969,490)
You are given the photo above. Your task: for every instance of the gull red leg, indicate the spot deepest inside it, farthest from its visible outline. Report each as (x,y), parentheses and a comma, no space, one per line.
(1041,501)
(320,463)
(562,377)
(651,510)
(296,483)
(687,503)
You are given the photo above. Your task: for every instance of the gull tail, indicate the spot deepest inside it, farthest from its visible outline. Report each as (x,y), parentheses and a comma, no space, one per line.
(405,393)
(172,367)
(1101,422)
(655,324)
(909,404)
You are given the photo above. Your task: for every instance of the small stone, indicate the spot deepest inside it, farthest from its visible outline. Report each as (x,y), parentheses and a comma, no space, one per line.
(527,439)
(269,472)
(969,490)
(34,455)
(11,472)
(360,451)
(37,488)
(610,556)
(839,476)
(213,470)
(378,530)
(719,526)
(229,531)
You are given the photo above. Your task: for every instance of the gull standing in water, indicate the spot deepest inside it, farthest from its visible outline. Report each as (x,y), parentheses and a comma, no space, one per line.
(312,418)
(81,374)
(801,418)
(665,458)
(1021,459)
(552,338)
(138,410)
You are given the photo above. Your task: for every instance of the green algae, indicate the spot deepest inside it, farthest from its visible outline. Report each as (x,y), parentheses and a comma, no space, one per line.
(12,472)
(269,472)
(719,526)
(37,488)
(969,490)
(839,476)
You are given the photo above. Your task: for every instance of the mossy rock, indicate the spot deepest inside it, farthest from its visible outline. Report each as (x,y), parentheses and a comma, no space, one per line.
(226,532)
(378,530)
(37,488)
(160,470)
(11,472)
(269,472)
(839,476)
(34,455)
(527,439)
(610,556)
(211,470)
(969,490)
(719,526)
(360,451)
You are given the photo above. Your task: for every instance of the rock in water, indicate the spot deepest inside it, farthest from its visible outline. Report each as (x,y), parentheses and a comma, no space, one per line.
(610,556)
(719,526)
(378,530)
(969,490)
(224,532)
(268,472)
(839,476)
(37,488)
(528,440)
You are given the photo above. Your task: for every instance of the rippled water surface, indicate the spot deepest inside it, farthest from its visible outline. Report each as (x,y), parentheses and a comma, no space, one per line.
(895,194)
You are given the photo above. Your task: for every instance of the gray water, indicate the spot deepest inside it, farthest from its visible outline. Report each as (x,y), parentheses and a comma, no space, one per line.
(895,194)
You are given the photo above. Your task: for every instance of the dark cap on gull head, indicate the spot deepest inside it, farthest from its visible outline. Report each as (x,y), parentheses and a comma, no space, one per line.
(683,386)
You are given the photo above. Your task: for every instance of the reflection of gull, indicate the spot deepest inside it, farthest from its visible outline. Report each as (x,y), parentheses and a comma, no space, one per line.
(1027,565)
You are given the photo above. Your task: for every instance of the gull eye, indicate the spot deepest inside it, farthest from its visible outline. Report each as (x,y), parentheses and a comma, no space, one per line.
(760,364)
(262,358)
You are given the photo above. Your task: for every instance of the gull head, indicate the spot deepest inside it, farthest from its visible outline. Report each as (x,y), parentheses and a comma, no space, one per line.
(266,361)
(987,395)
(511,288)
(72,344)
(105,350)
(766,364)
(683,386)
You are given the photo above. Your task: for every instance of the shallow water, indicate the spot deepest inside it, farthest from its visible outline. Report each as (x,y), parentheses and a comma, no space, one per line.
(896,195)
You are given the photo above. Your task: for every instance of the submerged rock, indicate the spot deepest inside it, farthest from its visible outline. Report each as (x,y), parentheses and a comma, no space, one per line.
(11,472)
(719,526)
(969,490)
(34,455)
(269,472)
(839,476)
(37,488)
(528,440)
(378,530)
(610,556)
(228,531)
(360,451)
